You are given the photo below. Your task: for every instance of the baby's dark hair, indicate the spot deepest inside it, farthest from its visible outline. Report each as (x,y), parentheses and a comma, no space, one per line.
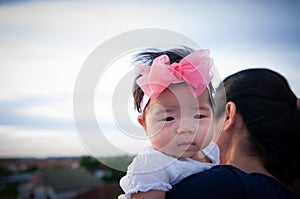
(147,57)
(269,109)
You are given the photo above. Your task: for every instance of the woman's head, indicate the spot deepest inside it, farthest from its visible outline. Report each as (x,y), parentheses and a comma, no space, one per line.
(172,93)
(269,111)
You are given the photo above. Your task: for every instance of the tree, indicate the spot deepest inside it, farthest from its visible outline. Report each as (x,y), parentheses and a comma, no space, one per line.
(89,163)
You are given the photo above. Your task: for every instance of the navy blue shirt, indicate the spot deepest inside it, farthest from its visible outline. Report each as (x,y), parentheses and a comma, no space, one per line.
(228,182)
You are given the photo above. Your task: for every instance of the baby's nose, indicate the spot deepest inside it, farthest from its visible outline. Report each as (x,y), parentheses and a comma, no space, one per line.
(186,126)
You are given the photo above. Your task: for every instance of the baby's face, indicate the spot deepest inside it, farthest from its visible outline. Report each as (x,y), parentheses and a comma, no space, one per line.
(177,123)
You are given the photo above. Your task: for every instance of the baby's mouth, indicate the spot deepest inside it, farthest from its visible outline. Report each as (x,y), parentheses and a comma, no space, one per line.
(186,145)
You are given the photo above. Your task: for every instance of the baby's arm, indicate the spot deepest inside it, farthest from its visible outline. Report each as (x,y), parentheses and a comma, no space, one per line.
(152,194)
(148,176)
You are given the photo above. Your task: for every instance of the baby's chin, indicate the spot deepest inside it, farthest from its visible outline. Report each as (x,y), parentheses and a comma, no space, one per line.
(182,154)
(188,154)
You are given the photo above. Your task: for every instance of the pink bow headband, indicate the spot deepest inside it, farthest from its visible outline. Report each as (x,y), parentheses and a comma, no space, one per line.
(194,69)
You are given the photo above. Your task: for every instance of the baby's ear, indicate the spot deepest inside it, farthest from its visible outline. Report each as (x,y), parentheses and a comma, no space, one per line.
(140,119)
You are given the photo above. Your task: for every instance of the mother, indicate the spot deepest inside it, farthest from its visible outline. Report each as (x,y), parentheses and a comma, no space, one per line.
(259,143)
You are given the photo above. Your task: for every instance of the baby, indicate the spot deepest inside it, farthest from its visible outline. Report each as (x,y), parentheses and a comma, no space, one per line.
(173,93)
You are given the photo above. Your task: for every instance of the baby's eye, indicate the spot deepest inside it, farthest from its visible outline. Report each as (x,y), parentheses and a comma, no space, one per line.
(168,119)
(199,116)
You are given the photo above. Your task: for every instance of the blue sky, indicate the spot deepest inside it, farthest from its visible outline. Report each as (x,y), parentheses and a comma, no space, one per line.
(45,43)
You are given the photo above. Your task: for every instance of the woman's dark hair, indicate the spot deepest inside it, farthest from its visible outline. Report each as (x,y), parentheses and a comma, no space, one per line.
(269,109)
(147,57)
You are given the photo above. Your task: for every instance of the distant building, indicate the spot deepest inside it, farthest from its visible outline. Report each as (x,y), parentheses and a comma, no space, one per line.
(14,165)
(15,178)
(58,183)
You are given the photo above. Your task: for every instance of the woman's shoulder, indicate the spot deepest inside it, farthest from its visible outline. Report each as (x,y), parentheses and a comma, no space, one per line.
(228,182)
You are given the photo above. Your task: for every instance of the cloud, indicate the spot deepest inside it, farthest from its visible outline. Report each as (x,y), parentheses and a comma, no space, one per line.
(39,113)
(24,142)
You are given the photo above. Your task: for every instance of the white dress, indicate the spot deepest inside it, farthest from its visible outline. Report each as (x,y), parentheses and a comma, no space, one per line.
(153,170)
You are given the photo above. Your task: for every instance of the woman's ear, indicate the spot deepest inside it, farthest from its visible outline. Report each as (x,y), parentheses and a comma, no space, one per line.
(230,115)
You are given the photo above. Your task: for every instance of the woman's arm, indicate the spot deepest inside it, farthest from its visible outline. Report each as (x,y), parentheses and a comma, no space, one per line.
(152,194)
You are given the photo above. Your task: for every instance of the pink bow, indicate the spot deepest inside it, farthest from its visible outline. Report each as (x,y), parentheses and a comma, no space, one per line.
(194,69)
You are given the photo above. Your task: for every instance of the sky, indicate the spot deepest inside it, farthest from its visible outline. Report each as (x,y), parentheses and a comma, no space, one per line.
(44,44)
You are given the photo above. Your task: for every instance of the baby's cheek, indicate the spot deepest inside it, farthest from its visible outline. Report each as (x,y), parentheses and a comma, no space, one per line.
(204,133)
(162,139)
(154,130)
